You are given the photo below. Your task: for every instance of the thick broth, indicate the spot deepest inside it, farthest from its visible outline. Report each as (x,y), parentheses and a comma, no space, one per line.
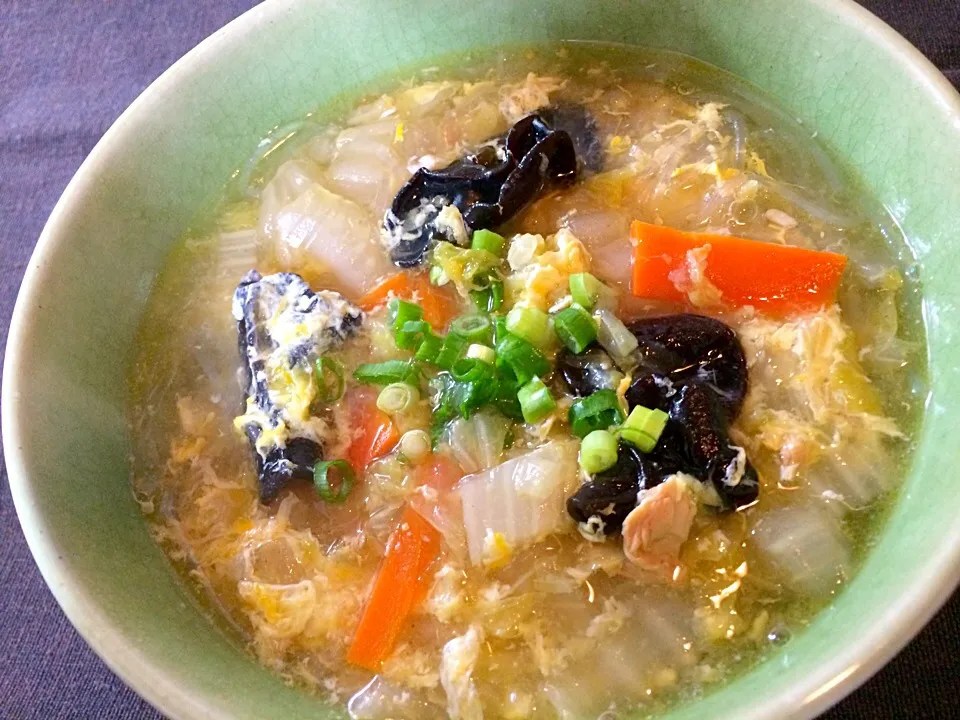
(569,628)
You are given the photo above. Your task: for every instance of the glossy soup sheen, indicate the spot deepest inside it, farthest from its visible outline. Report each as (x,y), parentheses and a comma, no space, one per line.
(564,628)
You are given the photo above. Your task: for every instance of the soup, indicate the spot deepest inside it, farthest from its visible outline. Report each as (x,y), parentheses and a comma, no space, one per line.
(571,382)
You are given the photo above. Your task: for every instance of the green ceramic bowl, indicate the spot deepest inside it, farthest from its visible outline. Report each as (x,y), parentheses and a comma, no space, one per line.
(871,97)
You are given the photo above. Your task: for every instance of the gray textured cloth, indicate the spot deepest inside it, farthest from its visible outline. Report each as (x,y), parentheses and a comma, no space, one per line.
(67,70)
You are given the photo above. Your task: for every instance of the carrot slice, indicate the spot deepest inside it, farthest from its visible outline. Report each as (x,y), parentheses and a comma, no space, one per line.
(402,583)
(376,432)
(439,304)
(441,472)
(775,279)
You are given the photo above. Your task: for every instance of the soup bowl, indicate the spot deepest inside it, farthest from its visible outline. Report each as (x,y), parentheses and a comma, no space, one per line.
(872,99)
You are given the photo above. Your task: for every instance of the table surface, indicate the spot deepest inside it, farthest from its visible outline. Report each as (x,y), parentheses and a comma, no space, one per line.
(67,70)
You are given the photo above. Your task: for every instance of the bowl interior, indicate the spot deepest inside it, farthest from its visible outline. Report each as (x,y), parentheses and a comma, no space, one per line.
(870,98)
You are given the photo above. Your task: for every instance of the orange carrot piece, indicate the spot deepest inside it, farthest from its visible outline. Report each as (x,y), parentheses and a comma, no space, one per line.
(775,279)
(376,432)
(441,472)
(439,304)
(401,584)
(398,285)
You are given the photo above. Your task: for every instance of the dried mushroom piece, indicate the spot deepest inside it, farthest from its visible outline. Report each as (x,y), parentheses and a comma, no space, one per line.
(692,368)
(487,188)
(283,327)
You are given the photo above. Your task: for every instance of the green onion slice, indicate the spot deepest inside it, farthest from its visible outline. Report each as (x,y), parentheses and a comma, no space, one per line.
(536,402)
(475,328)
(644,427)
(530,324)
(384,373)
(411,333)
(400,315)
(330,383)
(454,346)
(520,357)
(397,397)
(490,299)
(585,289)
(321,480)
(575,328)
(595,412)
(400,311)
(598,451)
(429,349)
(489,241)
(473,370)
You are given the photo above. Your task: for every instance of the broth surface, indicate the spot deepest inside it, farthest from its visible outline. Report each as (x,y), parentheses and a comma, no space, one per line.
(562,627)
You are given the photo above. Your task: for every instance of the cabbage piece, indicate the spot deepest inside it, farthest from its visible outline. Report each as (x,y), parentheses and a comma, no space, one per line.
(805,548)
(366,167)
(478,443)
(337,233)
(380,698)
(638,642)
(460,656)
(306,222)
(519,501)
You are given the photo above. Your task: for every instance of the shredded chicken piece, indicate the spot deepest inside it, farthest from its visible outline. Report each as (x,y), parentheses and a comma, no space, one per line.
(518,100)
(654,530)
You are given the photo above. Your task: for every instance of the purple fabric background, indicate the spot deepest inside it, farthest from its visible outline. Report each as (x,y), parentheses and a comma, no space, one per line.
(67,70)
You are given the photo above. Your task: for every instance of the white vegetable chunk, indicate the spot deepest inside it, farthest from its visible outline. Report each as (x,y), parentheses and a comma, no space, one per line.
(521,500)
(478,442)
(456,675)
(380,698)
(642,640)
(805,547)
(366,167)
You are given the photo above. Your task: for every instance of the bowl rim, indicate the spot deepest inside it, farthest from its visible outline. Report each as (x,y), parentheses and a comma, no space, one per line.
(839,675)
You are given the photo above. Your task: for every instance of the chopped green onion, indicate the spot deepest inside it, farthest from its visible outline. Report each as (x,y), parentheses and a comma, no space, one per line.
(595,412)
(530,324)
(536,402)
(481,352)
(411,333)
(454,346)
(521,358)
(473,370)
(644,427)
(638,439)
(499,328)
(321,480)
(575,328)
(496,295)
(585,289)
(384,373)
(482,299)
(475,328)
(598,451)
(506,400)
(415,445)
(614,336)
(489,299)
(462,397)
(489,241)
(400,312)
(397,398)
(330,384)
(429,349)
